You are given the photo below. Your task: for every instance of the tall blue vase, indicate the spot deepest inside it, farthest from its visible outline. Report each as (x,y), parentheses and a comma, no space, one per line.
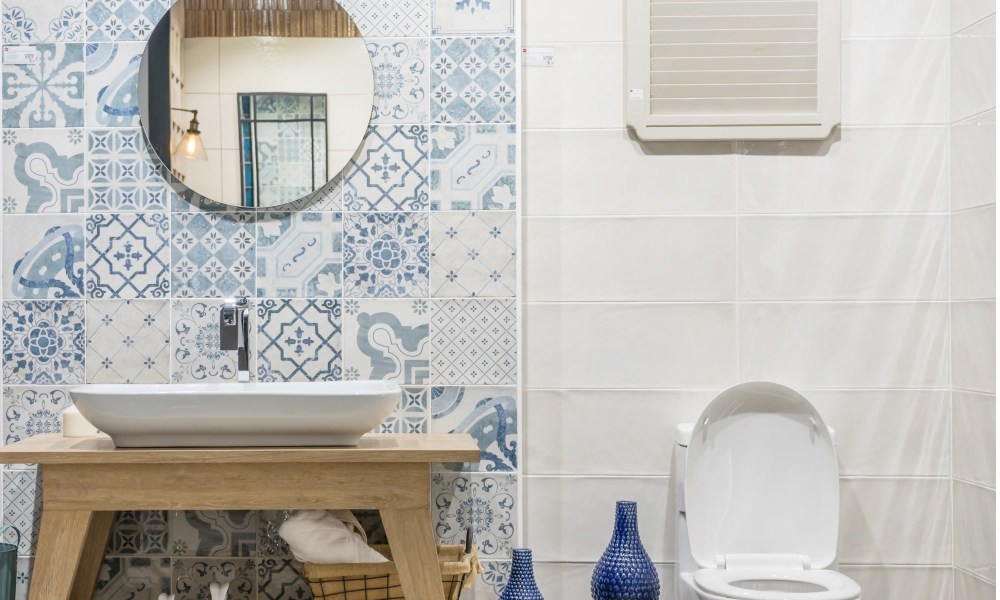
(625,571)
(521,585)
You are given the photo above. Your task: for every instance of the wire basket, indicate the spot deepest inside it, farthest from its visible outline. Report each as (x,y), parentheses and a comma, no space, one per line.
(379,581)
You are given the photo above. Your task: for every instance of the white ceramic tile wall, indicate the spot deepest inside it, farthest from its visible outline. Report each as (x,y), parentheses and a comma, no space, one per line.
(837,280)
(973,69)
(975,530)
(974,448)
(974,251)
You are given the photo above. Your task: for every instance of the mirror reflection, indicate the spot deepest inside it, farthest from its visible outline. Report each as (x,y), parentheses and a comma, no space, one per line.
(255,103)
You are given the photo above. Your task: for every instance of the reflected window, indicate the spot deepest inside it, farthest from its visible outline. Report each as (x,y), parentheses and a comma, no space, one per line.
(282,146)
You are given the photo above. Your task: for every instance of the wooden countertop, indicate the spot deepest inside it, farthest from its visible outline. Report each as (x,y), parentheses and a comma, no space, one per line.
(373,448)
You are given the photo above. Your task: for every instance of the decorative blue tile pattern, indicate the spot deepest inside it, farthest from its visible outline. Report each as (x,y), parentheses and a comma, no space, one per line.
(299,340)
(113,84)
(386,255)
(193,576)
(22,507)
(473,254)
(31,411)
(194,342)
(128,255)
(213,533)
(44,342)
(451,17)
(401,80)
(474,167)
(389,18)
(213,255)
(389,172)
(299,255)
(386,339)
(473,80)
(48,93)
(43,171)
(281,579)
(35,21)
(145,532)
(474,342)
(410,415)
(25,565)
(489,414)
(128,341)
(43,256)
(123,20)
(121,174)
(133,577)
(486,503)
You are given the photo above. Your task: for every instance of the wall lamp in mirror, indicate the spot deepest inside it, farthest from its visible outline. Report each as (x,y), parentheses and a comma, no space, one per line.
(191,145)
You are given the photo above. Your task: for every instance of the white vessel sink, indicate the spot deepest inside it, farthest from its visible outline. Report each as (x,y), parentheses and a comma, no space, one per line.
(335,413)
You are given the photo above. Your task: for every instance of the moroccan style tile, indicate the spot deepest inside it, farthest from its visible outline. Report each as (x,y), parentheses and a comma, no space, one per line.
(43,256)
(123,20)
(213,533)
(488,414)
(389,18)
(402,79)
(386,255)
(386,339)
(48,93)
(43,171)
(113,84)
(281,579)
(491,583)
(329,198)
(31,411)
(389,171)
(473,167)
(474,342)
(25,565)
(410,415)
(128,341)
(473,80)
(195,345)
(486,503)
(473,254)
(44,342)
(299,340)
(194,575)
(128,255)
(450,17)
(213,255)
(269,542)
(142,532)
(22,507)
(122,175)
(140,578)
(299,254)
(33,22)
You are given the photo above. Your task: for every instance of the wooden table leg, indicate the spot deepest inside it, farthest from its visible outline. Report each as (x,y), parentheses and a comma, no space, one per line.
(65,553)
(93,555)
(414,552)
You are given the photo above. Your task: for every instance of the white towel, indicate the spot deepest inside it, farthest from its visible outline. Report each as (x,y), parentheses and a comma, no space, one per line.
(316,536)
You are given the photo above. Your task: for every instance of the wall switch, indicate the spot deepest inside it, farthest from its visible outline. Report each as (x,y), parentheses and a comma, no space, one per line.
(20,55)
(538,57)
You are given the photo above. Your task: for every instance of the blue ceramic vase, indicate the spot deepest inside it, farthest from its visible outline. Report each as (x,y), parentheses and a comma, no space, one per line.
(625,571)
(521,585)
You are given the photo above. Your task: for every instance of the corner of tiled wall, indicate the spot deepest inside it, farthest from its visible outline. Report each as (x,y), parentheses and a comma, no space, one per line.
(109,276)
(973,296)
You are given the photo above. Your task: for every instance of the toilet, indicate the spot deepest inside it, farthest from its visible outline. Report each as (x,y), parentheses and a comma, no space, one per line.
(758,501)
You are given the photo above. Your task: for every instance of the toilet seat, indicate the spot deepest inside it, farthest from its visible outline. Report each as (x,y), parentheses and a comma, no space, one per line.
(719,582)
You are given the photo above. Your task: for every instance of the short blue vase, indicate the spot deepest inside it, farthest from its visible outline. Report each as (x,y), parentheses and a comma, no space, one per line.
(625,571)
(521,584)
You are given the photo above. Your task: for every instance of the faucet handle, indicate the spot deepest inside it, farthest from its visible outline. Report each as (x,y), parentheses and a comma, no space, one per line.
(233,309)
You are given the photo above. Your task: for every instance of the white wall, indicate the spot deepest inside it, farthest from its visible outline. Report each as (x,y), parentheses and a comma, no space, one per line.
(217,69)
(973,289)
(657,275)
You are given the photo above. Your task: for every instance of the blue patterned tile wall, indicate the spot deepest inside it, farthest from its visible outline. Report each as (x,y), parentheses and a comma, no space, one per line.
(404,267)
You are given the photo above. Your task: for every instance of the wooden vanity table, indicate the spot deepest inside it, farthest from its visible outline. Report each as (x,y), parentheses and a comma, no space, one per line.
(85,480)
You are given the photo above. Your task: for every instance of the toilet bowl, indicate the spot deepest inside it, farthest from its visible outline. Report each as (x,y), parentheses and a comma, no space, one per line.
(758,500)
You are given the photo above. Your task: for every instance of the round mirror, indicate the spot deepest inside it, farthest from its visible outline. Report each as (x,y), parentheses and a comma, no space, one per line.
(255,104)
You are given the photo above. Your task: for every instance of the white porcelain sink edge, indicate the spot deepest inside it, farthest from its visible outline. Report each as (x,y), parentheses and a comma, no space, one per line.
(335,413)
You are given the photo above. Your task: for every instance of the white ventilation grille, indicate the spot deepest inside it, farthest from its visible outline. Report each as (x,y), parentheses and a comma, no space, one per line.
(733,69)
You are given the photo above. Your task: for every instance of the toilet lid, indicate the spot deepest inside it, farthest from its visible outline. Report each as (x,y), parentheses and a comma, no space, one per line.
(728,583)
(761,478)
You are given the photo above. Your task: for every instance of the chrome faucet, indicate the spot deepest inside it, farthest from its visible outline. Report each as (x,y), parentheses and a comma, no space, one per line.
(234,333)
